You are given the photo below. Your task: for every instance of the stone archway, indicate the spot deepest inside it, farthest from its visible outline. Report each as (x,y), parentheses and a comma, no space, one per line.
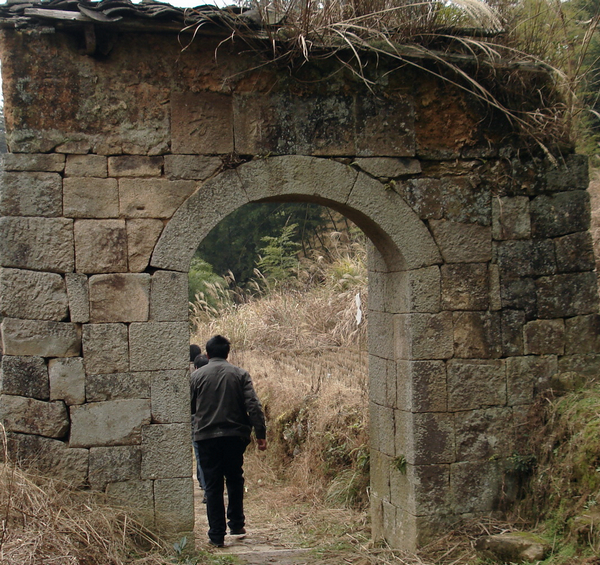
(404,278)
(481,269)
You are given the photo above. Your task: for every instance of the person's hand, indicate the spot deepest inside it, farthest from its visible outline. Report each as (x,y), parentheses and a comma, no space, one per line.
(262,444)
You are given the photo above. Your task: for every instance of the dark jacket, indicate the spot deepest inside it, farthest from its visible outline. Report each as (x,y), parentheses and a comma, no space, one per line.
(224,402)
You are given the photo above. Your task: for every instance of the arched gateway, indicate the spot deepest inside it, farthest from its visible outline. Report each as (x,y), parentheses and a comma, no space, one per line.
(125,152)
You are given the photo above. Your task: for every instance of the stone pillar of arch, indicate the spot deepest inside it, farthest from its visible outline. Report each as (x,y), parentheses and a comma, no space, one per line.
(481,272)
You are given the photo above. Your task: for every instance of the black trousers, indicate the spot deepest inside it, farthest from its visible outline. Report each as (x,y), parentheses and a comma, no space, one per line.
(222,461)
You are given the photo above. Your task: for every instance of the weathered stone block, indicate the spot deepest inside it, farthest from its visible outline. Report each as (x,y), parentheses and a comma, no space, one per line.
(201,123)
(422,489)
(117,386)
(510,218)
(381,341)
(86,166)
(101,246)
(90,198)
(513,547)
(388,167)
(114,464)
(50,162)
(31,416)
(543,337)
(169,297)
(170,397)
(41,338)
(79,299)
(119,297)
(571,174)
(191,167)
(413,291)
(142,236)
(67,380)
(566,295)
(42,244)
(136,496)
(424,336)
(526,258)
(296,174)
(495,293)
(475,383)
(174,507)
(166,451)
(482,435)
(422,386)
(512,332)
(585,364)
(519,293)
(135,166)
(381,426)
(463,243)
(105,348)
(155,346)
(30,194)
(575,252)
(216,198)
(465,286)
(402,441)
(384,127)
(560,214)
(153,198)
(32,295)
(423,195)
(433,439)
(475,486)
(115,422)
(458,199)
(477,335)
(50,456)
(381,297)
(528,375)
(288,124)
(379,379)
(24,376)
(380,466)
(582,334)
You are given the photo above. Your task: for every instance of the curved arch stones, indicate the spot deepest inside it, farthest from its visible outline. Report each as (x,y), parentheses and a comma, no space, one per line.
(390,223)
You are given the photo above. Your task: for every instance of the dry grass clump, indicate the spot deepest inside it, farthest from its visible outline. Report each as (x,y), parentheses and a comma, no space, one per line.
(316,406)
(45,520)
(315,309)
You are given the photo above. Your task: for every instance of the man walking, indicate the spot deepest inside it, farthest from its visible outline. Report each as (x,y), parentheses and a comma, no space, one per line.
(225,408)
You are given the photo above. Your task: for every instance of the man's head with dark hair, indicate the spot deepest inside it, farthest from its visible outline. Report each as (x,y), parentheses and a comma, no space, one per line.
(200,361)
(218,346)
(194,352)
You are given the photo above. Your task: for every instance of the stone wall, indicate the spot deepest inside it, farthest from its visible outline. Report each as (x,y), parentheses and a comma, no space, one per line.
(481,269)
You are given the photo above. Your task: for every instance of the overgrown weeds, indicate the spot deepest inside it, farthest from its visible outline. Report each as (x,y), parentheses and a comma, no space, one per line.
(45,520)
(562,497)
(521,59)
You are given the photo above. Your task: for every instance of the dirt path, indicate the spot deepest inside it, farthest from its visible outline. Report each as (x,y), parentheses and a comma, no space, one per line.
(286,528)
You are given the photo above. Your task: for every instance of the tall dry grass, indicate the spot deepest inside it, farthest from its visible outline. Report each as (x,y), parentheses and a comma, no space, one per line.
(47,521)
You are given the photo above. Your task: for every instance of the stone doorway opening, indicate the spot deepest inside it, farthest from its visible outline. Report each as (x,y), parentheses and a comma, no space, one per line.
(399,283)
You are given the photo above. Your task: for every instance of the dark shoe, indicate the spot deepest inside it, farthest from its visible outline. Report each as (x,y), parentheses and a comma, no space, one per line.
(239,534)
(216,543)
